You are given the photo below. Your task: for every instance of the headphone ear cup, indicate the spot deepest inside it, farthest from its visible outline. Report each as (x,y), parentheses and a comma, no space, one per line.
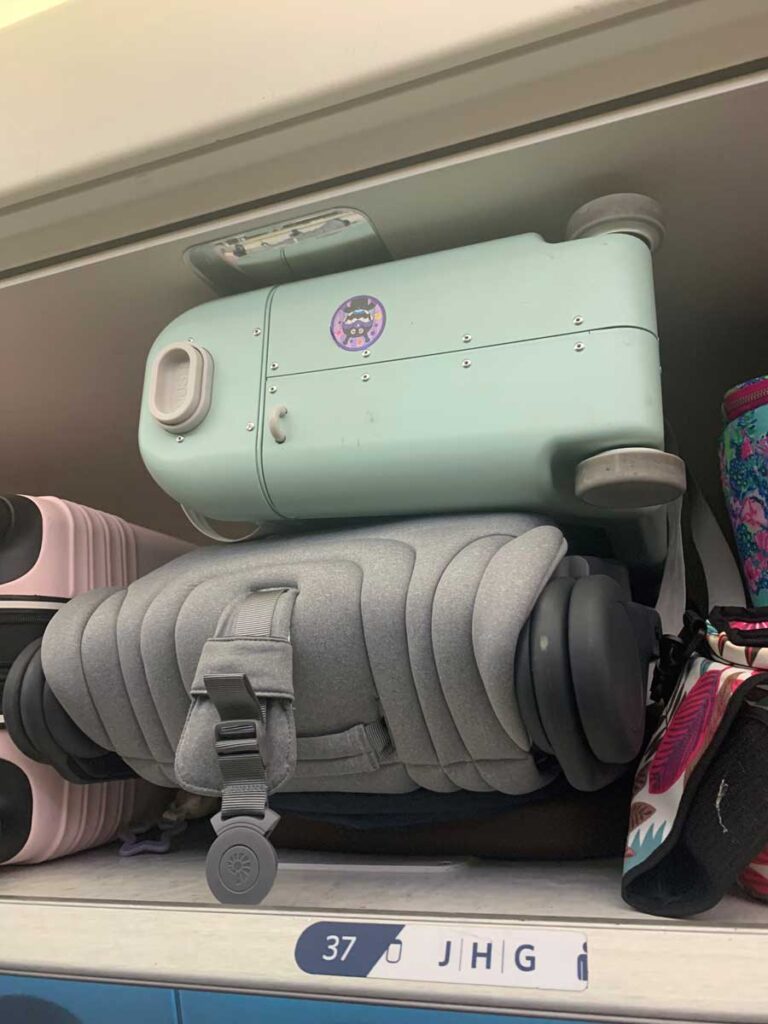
(68,736)
(60,741)
(555,698)
(12,691)
(609,672)
(526,695)
(42,730)
(32,705)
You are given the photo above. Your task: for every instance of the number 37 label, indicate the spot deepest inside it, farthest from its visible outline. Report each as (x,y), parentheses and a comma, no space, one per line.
(512,957)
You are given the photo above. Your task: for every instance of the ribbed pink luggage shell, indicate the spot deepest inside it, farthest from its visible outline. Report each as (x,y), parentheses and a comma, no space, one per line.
(81,549)
(67,818)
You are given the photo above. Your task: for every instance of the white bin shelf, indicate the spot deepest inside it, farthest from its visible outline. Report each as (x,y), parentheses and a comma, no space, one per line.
(151,919)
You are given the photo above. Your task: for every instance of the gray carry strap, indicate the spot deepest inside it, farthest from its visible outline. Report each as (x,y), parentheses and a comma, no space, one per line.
(724,586)
(721,571)
(362,748)
(256,716)
(672,593)
(238,738)
(360,739)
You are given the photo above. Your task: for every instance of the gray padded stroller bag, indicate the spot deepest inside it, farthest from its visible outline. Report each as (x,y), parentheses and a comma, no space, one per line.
(461,652)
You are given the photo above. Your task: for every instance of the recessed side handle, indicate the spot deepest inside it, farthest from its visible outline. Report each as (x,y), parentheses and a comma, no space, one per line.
(274,423)
(180,387)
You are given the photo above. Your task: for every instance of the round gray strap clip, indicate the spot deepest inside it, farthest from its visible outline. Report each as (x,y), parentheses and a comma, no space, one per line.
(241,865)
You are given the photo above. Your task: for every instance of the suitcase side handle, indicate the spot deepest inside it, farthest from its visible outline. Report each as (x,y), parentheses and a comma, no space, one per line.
(180,387)
(274,423)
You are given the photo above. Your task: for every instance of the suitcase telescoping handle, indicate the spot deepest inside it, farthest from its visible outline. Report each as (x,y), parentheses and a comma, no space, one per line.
(273,423)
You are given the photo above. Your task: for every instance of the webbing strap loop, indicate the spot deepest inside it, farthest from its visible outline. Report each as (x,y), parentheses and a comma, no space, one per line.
(238,745)
(245,672)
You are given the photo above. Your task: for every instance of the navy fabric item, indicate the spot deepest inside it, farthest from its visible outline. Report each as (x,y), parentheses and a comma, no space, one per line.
(406,810)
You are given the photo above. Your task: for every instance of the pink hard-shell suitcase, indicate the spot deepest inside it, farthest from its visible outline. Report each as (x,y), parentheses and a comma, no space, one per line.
(44,816)
(51,550)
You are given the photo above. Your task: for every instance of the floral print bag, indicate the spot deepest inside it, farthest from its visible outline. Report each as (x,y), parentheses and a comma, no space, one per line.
(699,815)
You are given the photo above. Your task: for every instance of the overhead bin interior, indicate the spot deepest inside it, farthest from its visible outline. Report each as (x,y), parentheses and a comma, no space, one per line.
(86,325)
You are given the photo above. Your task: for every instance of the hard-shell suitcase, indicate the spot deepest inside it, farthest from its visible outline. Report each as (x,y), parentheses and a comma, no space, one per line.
(512,374)
(50,550)
(44,816)
(443,654)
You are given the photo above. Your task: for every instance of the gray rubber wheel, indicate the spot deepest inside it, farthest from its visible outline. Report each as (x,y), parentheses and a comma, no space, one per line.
(630,478)
(625,213)
(241,866)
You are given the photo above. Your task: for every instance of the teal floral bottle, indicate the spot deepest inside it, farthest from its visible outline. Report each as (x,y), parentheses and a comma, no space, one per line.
(744,474)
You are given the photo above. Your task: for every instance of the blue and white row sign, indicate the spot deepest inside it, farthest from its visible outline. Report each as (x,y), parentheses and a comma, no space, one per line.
(511,957)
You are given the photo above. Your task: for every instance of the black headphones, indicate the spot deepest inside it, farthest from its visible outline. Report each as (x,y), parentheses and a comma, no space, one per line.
(42,729)
(581,671)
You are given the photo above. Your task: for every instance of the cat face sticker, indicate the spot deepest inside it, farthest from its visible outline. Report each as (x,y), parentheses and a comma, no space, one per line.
(358,323)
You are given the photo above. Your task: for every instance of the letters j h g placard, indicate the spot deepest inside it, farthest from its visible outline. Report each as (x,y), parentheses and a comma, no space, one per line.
(510,957)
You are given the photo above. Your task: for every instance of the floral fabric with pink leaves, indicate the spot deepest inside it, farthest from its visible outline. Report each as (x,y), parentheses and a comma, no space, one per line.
(744,476)
(728,668)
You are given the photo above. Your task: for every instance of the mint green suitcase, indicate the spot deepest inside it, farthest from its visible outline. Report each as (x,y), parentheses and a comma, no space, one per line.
(480,378)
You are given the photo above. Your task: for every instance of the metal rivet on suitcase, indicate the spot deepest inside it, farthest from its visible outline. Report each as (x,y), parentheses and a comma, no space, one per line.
(250,426)
(241,866)
(257,332)
(366,376)
(272,390)
(466,337)
(578,320)
(466,363)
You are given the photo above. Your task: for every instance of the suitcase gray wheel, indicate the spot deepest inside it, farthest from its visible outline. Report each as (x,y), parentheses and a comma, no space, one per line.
(630,478)
(624,213)
(241,866)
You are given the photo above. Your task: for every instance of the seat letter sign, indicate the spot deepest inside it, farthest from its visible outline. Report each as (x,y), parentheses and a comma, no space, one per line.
(510,957)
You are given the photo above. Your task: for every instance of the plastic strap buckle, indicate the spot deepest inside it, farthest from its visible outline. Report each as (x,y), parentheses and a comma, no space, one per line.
(674,652)
(238,737)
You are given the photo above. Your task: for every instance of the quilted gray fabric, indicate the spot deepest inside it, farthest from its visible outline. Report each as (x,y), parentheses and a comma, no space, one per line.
(414,623)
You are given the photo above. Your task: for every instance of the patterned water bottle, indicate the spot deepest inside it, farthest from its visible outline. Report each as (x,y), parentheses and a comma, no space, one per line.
(744,474)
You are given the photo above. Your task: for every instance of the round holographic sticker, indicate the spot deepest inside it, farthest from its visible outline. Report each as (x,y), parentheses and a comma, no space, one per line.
(358,323)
